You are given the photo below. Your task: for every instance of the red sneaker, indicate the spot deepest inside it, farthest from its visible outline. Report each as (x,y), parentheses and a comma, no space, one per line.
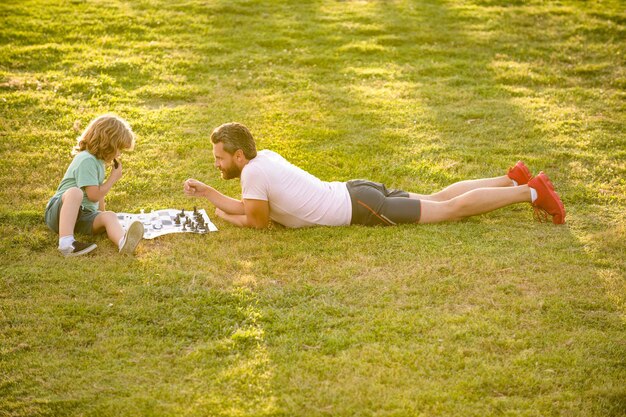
(548,201)
(520,173)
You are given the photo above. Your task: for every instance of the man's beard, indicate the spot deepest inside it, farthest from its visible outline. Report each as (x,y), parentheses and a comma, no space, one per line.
(232,172)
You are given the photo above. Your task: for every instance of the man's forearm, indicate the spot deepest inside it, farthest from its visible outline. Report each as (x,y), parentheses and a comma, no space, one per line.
(240,220)
(225,203)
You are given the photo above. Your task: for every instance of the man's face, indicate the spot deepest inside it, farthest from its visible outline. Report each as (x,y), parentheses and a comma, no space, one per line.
(225,162)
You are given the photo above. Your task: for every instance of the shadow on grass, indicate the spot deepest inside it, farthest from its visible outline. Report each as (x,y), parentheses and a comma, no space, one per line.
(412,96)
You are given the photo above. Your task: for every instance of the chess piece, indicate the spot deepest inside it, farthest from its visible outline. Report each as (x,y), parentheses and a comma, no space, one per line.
(184,227)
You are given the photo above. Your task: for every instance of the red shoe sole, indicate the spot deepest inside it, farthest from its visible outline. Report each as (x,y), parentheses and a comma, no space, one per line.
(547,192)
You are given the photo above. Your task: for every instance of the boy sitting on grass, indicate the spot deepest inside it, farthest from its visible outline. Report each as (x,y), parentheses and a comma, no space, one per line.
(78,204)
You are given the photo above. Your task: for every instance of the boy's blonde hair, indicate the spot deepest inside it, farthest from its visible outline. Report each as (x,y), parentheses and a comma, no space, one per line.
(104,136)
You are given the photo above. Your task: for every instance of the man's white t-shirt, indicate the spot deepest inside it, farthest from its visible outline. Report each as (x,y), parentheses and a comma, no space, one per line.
(296,198)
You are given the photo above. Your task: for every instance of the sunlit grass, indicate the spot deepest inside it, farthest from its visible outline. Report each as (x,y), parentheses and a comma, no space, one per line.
(496,315)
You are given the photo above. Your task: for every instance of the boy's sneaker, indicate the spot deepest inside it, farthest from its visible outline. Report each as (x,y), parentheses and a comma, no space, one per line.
(132,237)
(520,173)
(77,248)
(548,201)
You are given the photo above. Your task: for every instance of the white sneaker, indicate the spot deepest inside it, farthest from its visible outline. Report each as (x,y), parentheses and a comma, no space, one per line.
(132,237)
(77,249)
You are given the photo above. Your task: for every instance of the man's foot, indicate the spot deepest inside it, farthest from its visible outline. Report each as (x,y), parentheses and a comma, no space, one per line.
(131,239)
(520,173)
(548,201)
(77,248)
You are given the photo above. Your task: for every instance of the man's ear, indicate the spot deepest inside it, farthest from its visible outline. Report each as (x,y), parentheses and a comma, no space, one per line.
(239,155)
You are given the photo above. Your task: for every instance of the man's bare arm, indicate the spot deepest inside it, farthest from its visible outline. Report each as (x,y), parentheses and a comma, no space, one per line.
(195,188)
(257,215)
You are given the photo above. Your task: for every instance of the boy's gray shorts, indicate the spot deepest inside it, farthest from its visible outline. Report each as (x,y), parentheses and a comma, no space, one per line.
(373,204)
(84,220)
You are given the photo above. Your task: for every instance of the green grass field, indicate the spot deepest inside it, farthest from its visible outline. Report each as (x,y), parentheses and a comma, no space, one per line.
(495,315)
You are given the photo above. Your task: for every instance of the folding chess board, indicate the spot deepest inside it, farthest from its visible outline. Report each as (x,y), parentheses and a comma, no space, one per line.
(162,222)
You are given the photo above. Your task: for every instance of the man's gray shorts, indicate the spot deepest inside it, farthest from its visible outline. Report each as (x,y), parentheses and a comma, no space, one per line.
(373,204)
(84,220)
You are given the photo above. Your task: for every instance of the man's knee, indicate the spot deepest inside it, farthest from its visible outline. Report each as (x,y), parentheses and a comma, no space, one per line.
(437,211)
(443,211)
(456,209)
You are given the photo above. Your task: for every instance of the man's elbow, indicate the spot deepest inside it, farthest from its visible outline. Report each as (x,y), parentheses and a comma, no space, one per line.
(258,224)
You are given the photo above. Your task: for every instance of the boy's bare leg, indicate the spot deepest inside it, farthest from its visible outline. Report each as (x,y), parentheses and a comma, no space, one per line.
(463,187)
(472,203)
(108,220)
(69,211)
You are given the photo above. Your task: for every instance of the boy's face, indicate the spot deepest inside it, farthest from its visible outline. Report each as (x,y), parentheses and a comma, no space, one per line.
(113,156)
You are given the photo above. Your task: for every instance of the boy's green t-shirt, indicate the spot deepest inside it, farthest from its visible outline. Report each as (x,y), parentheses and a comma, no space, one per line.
(84,170)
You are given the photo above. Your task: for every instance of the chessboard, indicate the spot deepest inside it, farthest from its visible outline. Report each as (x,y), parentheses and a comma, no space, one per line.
(162,222)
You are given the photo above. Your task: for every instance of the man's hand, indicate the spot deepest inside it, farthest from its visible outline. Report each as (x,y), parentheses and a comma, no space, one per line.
(195,188)
(220,213)
(256,215)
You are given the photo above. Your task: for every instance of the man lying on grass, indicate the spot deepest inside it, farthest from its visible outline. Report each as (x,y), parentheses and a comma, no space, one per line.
(275,190)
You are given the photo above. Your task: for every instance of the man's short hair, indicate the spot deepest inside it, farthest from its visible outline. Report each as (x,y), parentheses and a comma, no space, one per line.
(235,136)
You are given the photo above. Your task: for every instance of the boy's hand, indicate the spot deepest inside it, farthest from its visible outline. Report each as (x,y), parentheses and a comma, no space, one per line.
(116,171)
(194,188)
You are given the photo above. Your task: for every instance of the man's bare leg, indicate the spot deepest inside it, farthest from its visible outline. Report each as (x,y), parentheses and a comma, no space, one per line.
(463,187)
(472,203)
